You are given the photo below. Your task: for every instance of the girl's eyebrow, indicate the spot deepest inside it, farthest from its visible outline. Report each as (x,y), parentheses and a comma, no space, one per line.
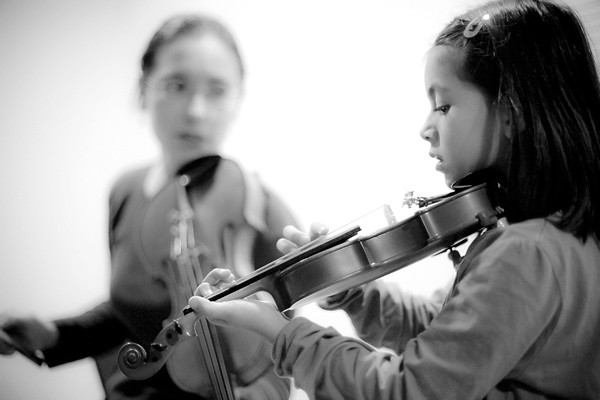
(436,88)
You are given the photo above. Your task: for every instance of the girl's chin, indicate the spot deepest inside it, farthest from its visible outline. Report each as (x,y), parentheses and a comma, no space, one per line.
(448,177)
(451,179)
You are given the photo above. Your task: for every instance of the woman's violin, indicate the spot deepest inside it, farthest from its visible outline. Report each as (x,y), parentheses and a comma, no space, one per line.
(192,225)
(338,262)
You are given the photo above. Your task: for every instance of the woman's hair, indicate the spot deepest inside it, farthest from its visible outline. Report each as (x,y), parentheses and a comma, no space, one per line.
(533,57)
(181,25)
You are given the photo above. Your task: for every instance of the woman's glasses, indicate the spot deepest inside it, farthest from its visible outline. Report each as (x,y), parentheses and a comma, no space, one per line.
(180,90)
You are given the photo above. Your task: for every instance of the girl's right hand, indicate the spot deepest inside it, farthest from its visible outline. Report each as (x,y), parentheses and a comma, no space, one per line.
(294,237)
(255,315)
(27,333)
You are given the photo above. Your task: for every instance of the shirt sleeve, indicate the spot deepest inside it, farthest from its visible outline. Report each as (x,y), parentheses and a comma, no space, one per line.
(267,387)
(98,329)
(87,335)
(386,316)
(503,306)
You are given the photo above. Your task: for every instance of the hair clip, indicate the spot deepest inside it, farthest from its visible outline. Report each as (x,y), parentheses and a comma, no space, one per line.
(475,25)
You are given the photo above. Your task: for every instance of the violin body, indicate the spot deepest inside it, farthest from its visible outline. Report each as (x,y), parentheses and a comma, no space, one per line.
(338,262)
(430,230)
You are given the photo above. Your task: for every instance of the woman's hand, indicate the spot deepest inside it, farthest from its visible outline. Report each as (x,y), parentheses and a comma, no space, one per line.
(258,316)
(294,238)
(27,335)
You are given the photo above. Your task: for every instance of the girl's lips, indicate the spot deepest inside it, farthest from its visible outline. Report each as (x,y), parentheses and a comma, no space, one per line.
(440,161)
(435,156)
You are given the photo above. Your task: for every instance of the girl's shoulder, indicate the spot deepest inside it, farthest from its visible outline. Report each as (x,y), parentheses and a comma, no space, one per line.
(534,232)
(534,239)
(537,232)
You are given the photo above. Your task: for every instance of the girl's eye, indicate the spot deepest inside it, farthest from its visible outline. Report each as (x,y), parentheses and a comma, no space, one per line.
(443,109)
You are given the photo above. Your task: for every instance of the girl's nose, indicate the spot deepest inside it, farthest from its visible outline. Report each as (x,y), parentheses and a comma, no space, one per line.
(426,132)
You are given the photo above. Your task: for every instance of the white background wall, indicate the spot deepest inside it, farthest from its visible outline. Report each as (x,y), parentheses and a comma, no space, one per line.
(334,104)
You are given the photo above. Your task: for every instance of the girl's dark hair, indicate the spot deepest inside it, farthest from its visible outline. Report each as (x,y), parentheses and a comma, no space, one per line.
(181,25)
(534,57)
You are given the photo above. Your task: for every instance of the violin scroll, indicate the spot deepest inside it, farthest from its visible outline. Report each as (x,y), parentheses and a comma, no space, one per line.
(135,363)
(138,364)
(132,356)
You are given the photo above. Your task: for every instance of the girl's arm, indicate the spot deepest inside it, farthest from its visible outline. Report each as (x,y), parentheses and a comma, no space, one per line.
(483,332)
(386,316)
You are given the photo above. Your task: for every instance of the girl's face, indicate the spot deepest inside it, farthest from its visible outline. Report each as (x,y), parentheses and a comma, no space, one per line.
(193,95)
(466,133)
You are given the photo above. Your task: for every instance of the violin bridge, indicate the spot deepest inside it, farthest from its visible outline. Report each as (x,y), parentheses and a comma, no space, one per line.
(410,199)
(389,214)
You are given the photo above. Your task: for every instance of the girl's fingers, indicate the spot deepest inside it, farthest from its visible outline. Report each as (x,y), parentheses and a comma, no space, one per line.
(295,235)
(260,317)
(285,246)
(318,229)
(216,279)
(204,289)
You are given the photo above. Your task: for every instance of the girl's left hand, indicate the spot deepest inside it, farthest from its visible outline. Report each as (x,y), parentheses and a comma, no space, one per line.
(260,317)
(294,237)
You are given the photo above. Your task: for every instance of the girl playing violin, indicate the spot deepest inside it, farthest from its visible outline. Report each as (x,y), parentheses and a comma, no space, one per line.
(514,91)
(191,84)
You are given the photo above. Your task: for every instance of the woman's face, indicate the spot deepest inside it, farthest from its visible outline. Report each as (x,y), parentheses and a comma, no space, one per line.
(466,133)
(193,95)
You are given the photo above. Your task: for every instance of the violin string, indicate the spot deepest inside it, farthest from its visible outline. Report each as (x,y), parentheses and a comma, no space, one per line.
(207,337)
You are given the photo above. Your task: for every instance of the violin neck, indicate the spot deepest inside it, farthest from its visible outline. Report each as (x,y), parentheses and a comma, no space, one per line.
(186,254)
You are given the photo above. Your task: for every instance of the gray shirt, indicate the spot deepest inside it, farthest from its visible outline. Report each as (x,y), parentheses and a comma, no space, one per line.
(522,321)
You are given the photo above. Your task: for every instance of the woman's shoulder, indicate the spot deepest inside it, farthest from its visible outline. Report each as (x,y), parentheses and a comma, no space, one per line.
(128,181)
(128,176)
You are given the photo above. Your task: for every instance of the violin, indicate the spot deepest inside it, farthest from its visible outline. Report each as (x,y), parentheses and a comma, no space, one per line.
(193,225)
(338,262)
